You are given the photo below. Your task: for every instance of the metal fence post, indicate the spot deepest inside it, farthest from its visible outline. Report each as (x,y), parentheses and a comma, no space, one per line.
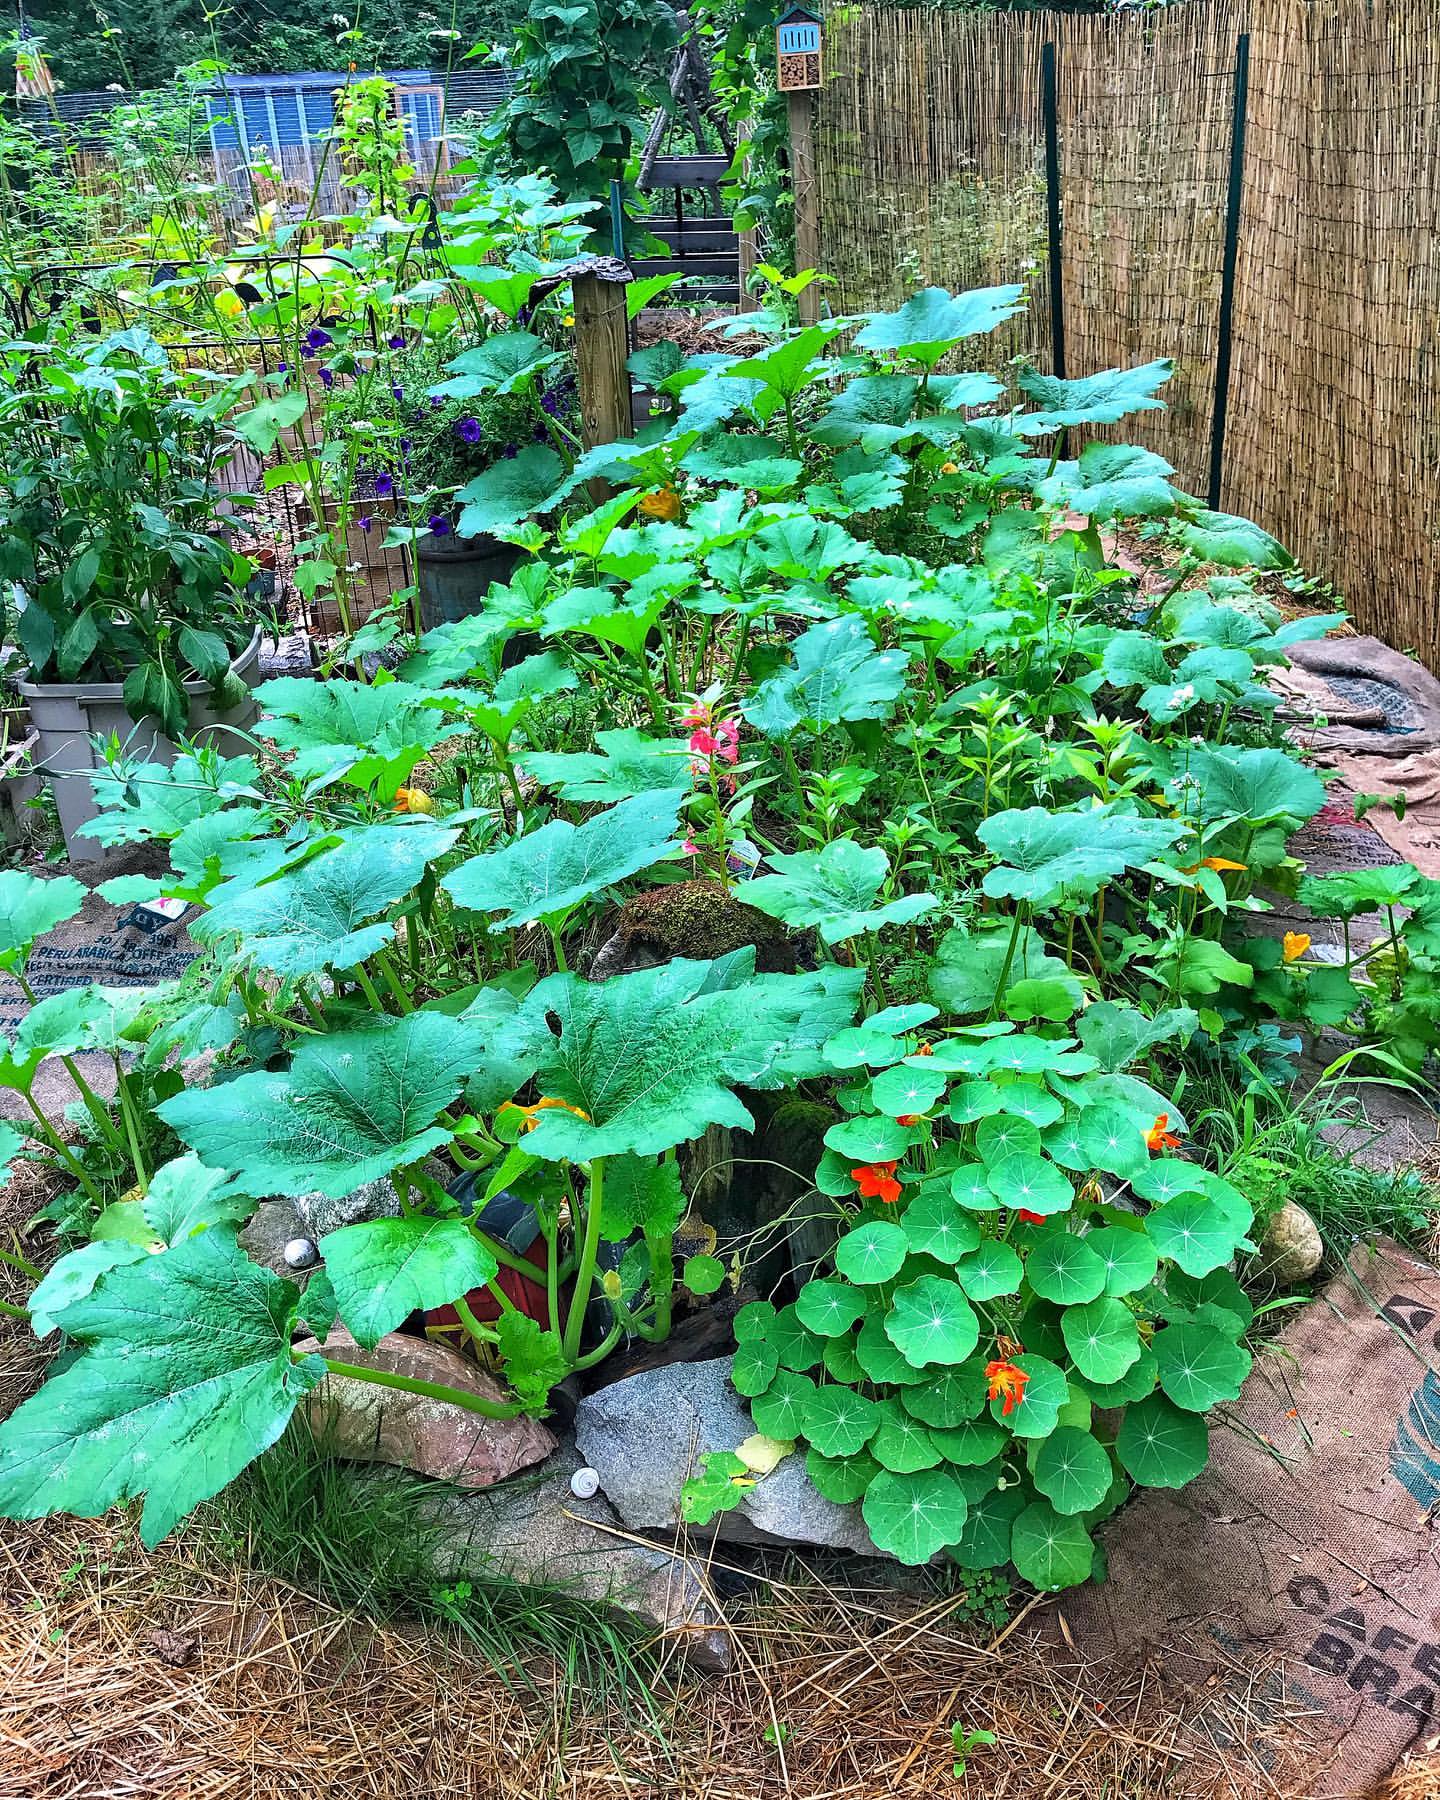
(1227,278)
(1050,105)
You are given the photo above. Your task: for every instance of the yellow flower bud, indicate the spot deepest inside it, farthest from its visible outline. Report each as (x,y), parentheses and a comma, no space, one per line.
(413,800)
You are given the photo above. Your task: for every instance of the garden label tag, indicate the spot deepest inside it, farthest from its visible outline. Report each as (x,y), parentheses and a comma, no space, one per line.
(1310,1537)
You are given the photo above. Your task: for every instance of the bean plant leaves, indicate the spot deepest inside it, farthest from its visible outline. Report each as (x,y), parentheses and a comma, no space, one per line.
(184,1376)
(836,889)
(837,674)
(546,873)
(385,1269)
(352,1106)
(650,1058)
(317,916)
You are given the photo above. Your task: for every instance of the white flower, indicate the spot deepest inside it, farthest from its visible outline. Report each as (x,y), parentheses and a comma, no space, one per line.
(1181,694)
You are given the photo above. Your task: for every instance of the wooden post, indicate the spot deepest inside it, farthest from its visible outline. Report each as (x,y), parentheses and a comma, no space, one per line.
(800,105)
(602,342)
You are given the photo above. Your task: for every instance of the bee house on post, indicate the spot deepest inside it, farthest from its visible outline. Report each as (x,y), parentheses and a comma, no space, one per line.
(798,50)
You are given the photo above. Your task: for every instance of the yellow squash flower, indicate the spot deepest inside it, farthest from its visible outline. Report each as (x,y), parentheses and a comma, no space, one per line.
(413,800)
(1295,944)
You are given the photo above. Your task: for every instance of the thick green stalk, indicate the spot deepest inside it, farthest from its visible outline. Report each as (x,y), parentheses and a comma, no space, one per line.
(585,1270)
(13,1312)
(432,1390)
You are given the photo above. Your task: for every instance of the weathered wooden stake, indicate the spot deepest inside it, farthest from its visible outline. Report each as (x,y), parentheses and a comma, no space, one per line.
(601,346)
(800,106)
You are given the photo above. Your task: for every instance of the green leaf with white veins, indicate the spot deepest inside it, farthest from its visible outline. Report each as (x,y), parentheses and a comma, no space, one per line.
(1129,1257)
(836,889)
(934,1224)
(1089,399)
(914,1516)
(1062,1268)
(1046,855)
(829,1308)
(373,732)
(184,1377)
(991,1270)
(874,1252)
(352,1106)
(557,867)
(184,1197)
(385,1269)
(1195,1232)
(932,321)
(1072,1470)
(910,1088)
(651,1057)
(1199,1367)
(837,674)
(1049,1550)
(317,916)
(1112,481)
(1102,1338)
(623,763)
(838,1421)
(930,1321)
(29,907)
(1160,1445)
(73,1276)
(511,490)
(1256,787)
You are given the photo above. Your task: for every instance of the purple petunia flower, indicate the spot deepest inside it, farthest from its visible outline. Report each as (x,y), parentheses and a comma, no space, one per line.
(282,368)
(404,446)
(468,429)
(316,339)
(398,392)
(397,342)
(384,485)
(436,402)
(439,525)
(364,521)
(327,380)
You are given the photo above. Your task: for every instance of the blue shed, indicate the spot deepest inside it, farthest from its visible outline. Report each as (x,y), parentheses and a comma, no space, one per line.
(294,111)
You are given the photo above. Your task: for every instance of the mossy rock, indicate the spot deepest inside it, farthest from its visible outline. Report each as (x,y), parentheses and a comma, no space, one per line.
(694,919)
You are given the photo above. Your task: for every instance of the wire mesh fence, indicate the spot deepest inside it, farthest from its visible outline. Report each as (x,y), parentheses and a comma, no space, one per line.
(932,169)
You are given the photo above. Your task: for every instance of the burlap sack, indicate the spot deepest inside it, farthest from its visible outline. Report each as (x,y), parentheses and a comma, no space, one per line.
(1309,1536)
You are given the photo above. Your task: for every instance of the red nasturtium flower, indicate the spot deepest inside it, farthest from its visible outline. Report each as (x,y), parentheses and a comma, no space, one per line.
(909,1118)
(1006,1382)
(1030,1218)
(876,1181)
(1158,1137)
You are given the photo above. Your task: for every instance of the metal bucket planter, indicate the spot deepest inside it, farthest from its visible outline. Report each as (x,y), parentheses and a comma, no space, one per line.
(67,716)
(454,575)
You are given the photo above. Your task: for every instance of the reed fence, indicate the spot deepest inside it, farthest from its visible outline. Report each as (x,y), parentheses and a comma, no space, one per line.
(930,147)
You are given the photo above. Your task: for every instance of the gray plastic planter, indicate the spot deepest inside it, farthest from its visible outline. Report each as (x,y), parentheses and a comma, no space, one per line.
(67,716)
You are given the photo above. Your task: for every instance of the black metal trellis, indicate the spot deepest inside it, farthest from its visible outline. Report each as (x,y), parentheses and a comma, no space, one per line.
(1234,195)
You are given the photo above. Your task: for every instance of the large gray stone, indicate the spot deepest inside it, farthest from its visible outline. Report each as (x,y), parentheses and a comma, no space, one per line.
(534,1529)
(319,1213)
(644,1436)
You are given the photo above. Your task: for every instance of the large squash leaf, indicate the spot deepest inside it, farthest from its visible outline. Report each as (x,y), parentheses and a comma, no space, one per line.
(555,868)
(1045,855)
(184,1377)
(624,763)
(151,800)
(370,732)
(351,1107)
(836,889)
(930,322)
(385,1269)
(650,1059)
(1090,399)
(29,907)
(837,674)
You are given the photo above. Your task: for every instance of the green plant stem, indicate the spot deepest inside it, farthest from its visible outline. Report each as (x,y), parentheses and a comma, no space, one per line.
(602,1349)
(367,987)
(13,1312)
(585,1269)
(873,948)
(132,1126)
(432,1390)
(393,982)
(482,1334)
(1004,981)
(18,1262)
(63,1150)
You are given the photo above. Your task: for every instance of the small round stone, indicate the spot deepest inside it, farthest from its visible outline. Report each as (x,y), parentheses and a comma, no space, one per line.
(584,1484)
(300,1253)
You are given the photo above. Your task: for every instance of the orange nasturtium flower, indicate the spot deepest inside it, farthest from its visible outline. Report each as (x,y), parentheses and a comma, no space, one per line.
(1218,863)
(662,503)
(413,800)
(909,1118)
(1158,1137)
(1006,1382)
(923,1050)
(531,1119)
(876,1181)
(1295,944)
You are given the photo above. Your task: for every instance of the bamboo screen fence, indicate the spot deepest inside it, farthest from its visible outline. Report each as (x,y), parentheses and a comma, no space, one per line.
(930,148)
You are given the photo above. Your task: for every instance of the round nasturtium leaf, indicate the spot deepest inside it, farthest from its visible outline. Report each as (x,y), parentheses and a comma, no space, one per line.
(1194,1232)
(841,1362)
(873,1253)
(753,1321)
(1160,1445)
(753,1367)
(1102,1338)
(1199,1367)
(833,1176)
(970,1185)
(869,1139)
(930,1321)
(1062,1144)
(914,1516)
(997,1138)
(1021,1099)
(838,1421)
(1166,1178)
(906,1089)
(972,1100)
(1137,1381)
(1049,1550)
(993,1269)
(1110,1139)
(829,1308)
(796,1345)
(935,1224)
(779,1411)
(703,1274)
(1072,1470)
(1129,1257)
(1030,1184)
(950,1397)
(881,1360)
(971,1444)
(1045,1393)
(899,1441)
(842,1479)
(985,1541)
(1062,1268)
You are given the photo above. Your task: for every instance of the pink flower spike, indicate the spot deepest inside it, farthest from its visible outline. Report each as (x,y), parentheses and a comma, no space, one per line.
(697,715)
(690,847)
(704,743)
